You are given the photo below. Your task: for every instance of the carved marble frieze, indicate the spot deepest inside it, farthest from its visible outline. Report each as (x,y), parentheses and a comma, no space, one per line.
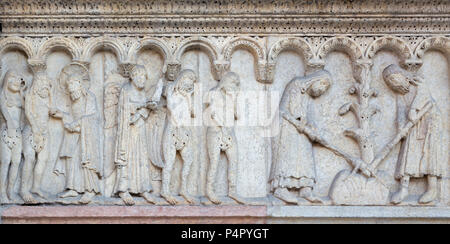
(224,103)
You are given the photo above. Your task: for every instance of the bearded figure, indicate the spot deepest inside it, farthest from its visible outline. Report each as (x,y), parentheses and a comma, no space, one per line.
(80,151)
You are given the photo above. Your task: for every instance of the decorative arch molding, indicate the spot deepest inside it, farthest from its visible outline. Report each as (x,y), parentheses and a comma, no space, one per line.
(195,43)
(297,45)
(439,43)
(18,43)
(245,43)
(103,42)
(392,43)
(59,42)
(339,43)
(255,49)
(153,44)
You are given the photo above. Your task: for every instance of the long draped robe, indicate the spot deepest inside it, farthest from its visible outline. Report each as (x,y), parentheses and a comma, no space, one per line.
(294,165)
(421,150)
(131,147)
(81,150)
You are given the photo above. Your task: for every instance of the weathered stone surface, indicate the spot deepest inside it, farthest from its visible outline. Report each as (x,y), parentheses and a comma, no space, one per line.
(321,104)
(134,215)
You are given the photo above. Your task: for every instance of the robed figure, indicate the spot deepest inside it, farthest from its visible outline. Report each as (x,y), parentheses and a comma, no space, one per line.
(132,156)
(80,150)
(421,148)
(294,163)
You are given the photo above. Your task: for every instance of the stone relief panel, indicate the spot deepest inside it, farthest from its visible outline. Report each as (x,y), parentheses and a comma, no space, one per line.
(226,120)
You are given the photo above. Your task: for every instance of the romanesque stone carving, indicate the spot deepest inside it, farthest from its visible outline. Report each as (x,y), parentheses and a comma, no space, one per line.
(132,159)
(249,18)
(221,136)
(178,133)
(80,148)
(137,134)
(111,96)
(420,125)
(11,107)
(294,166)
(348,184)
(38,109)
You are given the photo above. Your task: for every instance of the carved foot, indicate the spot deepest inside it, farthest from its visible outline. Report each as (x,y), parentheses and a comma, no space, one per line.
(169,198)
(148,197)
(65,194)
(285,195)
(188,197)
(40,194)
(428,196)
(237,198)
(127,198)
(28,198)
(87,197)
(306,193)
(399,196)
(213,198)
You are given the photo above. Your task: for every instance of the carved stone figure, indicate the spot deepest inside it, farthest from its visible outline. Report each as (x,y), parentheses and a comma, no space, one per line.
(36,135)
(221,137)
(80,150)
(420,128)
(11,107)
(112,88)
(294,165)
(177,134)
(132,159)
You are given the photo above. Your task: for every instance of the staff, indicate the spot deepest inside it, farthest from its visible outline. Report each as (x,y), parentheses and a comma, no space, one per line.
(402,134)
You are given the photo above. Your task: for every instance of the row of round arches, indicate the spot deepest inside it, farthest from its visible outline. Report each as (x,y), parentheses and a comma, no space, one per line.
(220,58)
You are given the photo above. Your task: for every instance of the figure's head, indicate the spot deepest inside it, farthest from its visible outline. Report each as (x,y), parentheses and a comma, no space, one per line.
(396,79)
(319,84)
(112,93)
(230,82)
(185,81)
(13,82)
(75,87)
(138,76)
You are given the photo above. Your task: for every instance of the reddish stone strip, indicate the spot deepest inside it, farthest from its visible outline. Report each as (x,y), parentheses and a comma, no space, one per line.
(135,214)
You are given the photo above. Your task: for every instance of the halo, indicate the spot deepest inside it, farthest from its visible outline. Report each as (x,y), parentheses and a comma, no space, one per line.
(70,70)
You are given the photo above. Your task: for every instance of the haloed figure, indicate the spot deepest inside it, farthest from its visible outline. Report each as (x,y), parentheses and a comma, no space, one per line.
(177,134)
(80,148)
(420,154)
(294,165)
(221,137)
(11,104)
(132,159)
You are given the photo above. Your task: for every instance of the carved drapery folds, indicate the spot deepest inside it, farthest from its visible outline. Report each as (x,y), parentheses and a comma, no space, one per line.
(163,86)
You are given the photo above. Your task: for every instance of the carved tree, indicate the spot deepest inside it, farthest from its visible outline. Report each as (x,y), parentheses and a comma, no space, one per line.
(347,185)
